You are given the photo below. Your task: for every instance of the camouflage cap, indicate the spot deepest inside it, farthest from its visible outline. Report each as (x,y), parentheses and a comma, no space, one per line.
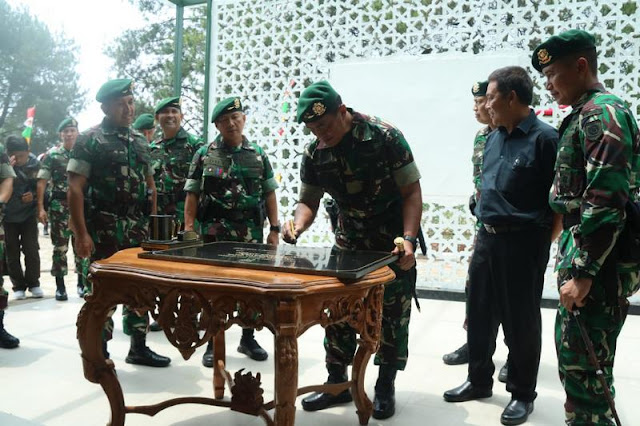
(115,89)
(317,100)
(226,106)
(173,101)
(144,121)
(479,88)
(67,122)
(561,45)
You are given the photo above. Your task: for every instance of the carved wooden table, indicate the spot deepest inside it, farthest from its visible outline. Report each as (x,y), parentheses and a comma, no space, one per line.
(195,303)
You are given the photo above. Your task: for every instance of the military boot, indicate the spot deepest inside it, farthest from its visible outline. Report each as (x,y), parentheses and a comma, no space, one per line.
(7,341)
(61,291)
(250,347)
(140,354)
(81,289)
(207,358)
(384,402)
(321,400)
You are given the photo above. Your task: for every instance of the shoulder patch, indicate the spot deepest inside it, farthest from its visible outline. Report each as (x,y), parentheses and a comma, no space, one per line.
(593,130)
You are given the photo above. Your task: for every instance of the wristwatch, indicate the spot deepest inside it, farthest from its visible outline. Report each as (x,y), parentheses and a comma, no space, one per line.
(412,240)
(275,228)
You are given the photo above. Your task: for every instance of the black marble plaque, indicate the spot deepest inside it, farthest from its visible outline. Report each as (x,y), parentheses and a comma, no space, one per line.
(304,260)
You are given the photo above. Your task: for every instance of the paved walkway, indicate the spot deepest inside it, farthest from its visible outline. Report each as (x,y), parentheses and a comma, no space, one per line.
(43,383)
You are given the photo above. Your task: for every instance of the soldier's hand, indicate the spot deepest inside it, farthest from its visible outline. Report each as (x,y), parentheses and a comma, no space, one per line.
(290,233)
(42,216)
(84,245)
(27,197)
(574,292)
(407,259)
(273,238)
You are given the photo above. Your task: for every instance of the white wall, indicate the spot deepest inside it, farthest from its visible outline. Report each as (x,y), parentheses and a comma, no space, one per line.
(429,99)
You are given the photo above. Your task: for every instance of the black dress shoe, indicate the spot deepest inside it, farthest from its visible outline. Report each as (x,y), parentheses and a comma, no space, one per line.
(252,349)
(457,357)
(466,392)
(319,401)
(504,373)
(516,412)
(154,326)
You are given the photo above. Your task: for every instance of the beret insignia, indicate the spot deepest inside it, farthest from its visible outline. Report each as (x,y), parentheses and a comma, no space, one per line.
(318,108)
(544,57)
(475,88)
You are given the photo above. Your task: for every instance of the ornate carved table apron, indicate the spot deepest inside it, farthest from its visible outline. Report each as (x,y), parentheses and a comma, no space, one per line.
(196,302)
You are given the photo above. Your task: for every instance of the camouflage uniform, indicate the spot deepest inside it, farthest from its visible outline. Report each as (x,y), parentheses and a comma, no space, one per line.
(362,174)
(6,171)
(54,170)
(232,183)
(170,159)
(115,162)
(601,133)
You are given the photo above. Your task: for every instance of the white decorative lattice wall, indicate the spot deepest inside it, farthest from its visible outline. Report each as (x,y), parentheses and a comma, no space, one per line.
(267,51)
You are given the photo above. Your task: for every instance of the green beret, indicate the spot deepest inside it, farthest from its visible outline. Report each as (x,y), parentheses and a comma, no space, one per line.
(67,122)
(169,102)
(317,100)
(479,88)
(115,89)
(144,122)
(561,45)
(226,106)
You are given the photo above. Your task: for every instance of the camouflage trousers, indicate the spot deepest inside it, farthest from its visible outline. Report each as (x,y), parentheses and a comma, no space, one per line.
(131,321)
(585,401)
(340,339)
(60,235)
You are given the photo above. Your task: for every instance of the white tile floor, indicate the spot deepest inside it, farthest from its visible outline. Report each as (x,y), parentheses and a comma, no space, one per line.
(42,383)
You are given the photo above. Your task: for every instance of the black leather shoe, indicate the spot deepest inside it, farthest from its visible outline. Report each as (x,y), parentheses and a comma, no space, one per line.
(207,358)
(154,326)
(319,401)
(503,374)
(516,412)
(7,341)
(466,392)
(61,294)
(252,349)
(140,354)
(384,402)
(457,357)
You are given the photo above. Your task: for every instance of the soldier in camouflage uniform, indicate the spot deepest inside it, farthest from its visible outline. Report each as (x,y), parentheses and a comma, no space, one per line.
(171,157)
(366,165)
(54,169)
(111,162)
(7,341)
(233,180)
(596,175)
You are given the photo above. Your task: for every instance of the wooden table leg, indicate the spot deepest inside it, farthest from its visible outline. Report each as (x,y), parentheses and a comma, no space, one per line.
(364,406)
(96,368)
(286,364)
(218,355)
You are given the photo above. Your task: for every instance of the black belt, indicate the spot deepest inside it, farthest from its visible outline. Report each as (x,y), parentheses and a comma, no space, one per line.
(501,229)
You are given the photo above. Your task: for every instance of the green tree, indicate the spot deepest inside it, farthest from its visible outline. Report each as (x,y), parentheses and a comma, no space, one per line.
(37,68)
(147,56)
